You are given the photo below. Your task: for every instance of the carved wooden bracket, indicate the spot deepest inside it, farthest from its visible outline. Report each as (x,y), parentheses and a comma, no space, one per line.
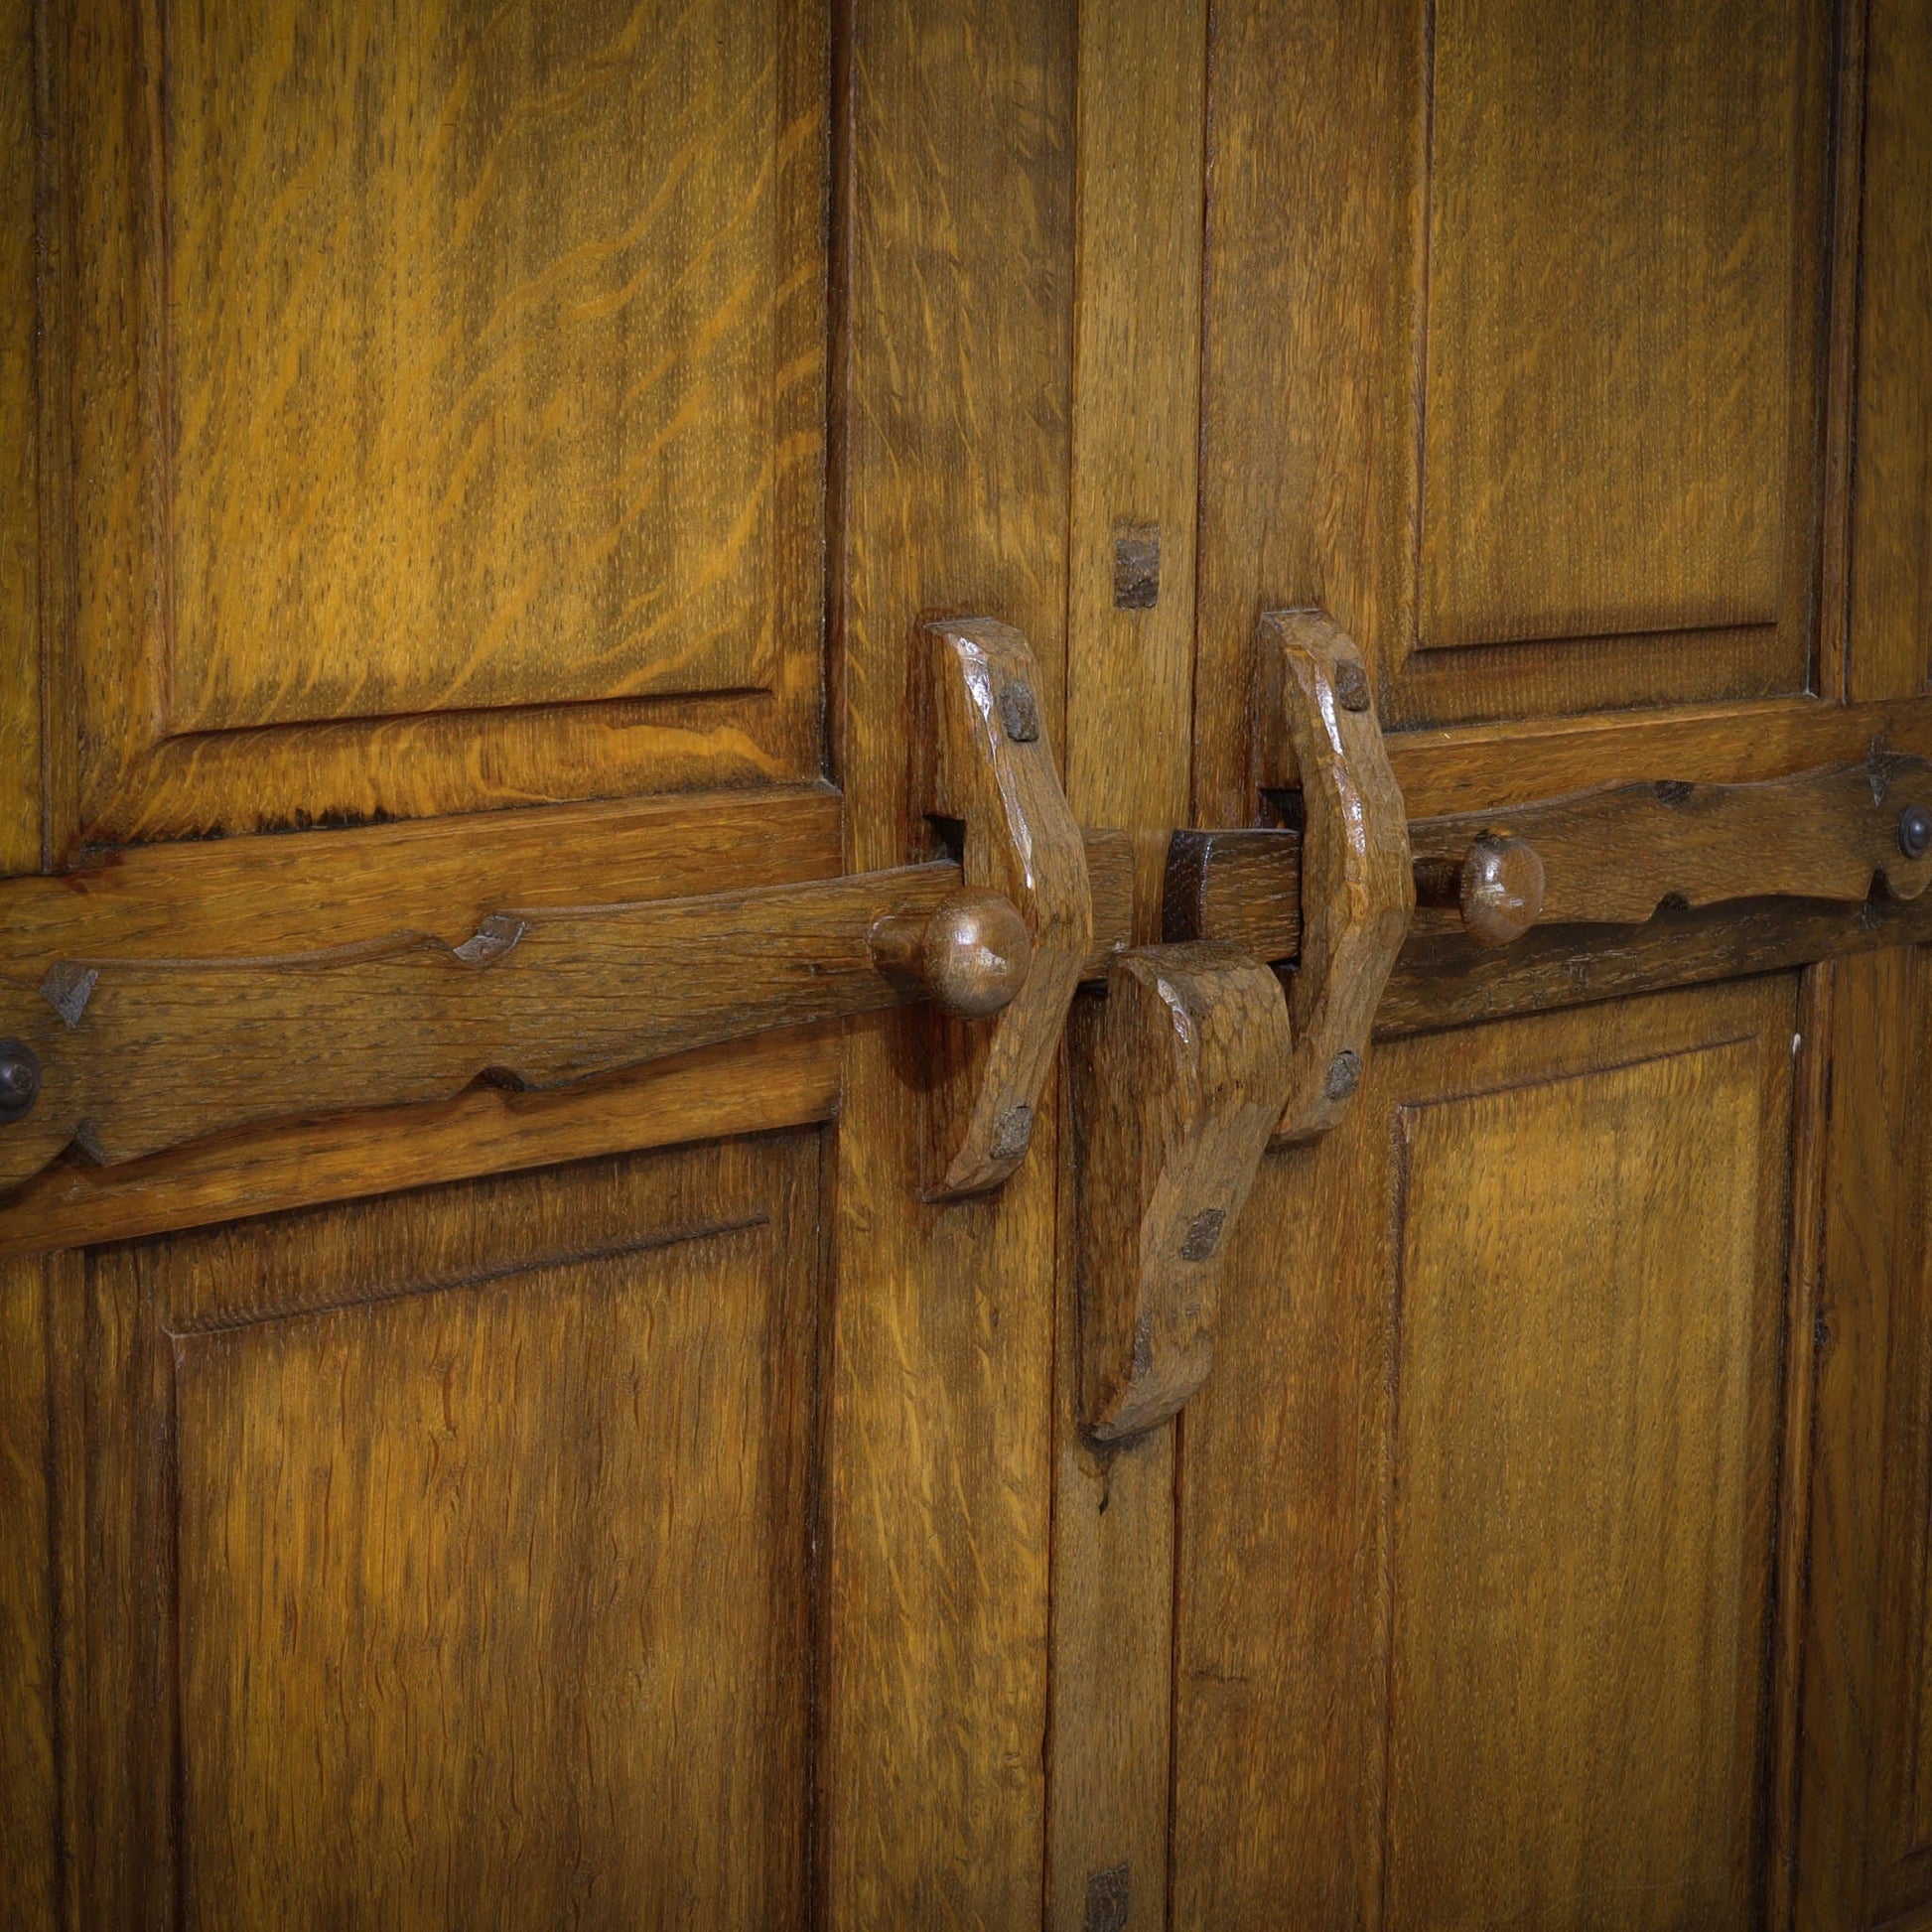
(992,773)
(1179,1081)
(1357,885)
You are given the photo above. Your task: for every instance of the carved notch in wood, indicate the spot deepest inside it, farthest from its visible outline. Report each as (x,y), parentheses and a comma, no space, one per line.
(1613,856)
(1358,890)
(991,772)
(1180,1074)
(128,1056)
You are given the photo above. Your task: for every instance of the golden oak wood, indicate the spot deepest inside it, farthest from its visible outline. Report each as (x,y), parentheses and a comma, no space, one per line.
(1516,763)
(1862,1845)
(443,876)
(1891,577)
(138,1055)
(30,1850)
(1330,209)
(791,1078)
(756,1086)
(991,770)
(21,774)
(1072,254)
(1131,599)
(1609,856)
(1190,1059)
(1811,1070)
(1474,1485)
(1558,148)
(546,444)
(370,1464)
(1615,855)
(950,485)
(1357,887)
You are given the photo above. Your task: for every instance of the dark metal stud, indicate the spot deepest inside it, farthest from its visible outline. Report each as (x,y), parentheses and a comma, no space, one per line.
(1344,1074)
(1351,685)
(1018,713)
(1915,831)
(1137,566)
(20,1079)
(1012,1133)
(1204,1234)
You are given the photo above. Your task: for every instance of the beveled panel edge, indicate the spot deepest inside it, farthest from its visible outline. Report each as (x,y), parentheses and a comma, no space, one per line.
(115,774)
(767,1082)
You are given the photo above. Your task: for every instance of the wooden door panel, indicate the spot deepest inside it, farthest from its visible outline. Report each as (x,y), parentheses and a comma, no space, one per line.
(1478,1508)
(1513,358)
(481,308)
(1863,1837)
(1607,357)
(20,564)
(447,1557)
(446,389)
(30,1857)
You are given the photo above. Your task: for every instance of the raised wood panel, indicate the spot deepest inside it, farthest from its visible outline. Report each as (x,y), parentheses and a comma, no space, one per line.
(20,575)
(448,1559)
(1863,1838)
(470,357)
(30,1864)
(1447,395)
(1581,1478)
(1892,502)
(1869,1243)
(1610,244)
(1477,1507)
(447,388)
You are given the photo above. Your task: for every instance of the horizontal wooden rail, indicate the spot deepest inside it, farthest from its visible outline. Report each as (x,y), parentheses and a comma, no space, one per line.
(131,1055)
(1609,856)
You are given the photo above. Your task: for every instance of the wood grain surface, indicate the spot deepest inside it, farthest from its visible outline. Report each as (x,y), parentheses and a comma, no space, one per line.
(1482,1486)
(1142,154)
(992,773)
(1891,588)
(1475,767)
(1358,890)
(1345,248)
(543,446)
(1181,1088)
(1863,1839)
(21,774)
(954,311)
(1583,1494)
(371,1465)
(137,1055)
(1605,224)
(749,1086)
(30,1845)
(522,440)
(1615,855)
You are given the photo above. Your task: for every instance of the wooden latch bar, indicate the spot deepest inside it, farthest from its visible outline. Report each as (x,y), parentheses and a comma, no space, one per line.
(124,1057)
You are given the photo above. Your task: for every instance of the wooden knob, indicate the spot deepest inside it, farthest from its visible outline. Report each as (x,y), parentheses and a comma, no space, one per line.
(971,955)
(1501,888)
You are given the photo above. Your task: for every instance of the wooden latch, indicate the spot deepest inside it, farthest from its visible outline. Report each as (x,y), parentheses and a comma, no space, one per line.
(1200,1056)
(1169,1114)
(124,1057)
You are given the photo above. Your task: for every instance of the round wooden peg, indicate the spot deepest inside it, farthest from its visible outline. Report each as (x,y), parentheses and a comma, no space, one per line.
(1501,888)
(971,955)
